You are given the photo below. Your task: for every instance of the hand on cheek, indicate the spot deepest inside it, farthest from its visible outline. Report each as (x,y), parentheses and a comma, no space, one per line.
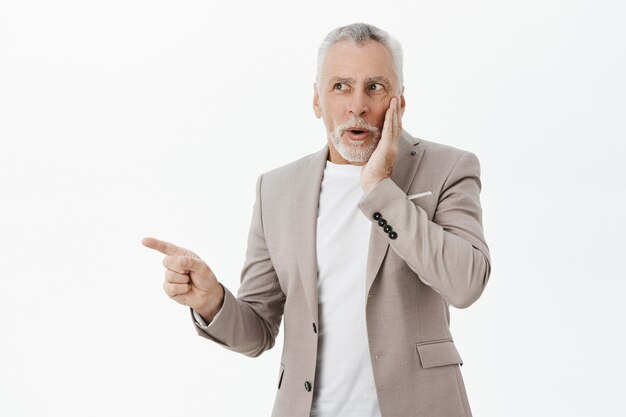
(380,164)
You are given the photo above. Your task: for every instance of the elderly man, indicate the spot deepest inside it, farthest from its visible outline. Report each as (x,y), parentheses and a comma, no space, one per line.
(362,247)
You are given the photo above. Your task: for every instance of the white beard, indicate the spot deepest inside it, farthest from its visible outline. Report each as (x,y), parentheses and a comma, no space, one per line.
(355,151)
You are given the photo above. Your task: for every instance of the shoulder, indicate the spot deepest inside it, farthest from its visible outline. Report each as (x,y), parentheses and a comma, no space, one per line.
(290,168)
(438,156)
(285,177)
(440,152)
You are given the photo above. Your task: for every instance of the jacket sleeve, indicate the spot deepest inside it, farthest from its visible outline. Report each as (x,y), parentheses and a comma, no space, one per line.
(449,254)
(249,323)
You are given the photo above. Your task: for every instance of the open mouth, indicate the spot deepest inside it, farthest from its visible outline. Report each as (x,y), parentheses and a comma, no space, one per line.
(358,134)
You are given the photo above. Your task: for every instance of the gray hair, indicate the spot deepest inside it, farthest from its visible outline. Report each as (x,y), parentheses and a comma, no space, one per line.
(359,33)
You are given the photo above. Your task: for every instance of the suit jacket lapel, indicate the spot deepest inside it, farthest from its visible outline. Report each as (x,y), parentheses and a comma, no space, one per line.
(306,199)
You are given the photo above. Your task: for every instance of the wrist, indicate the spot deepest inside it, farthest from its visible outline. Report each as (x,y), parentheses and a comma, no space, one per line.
(213,305)
(370,185)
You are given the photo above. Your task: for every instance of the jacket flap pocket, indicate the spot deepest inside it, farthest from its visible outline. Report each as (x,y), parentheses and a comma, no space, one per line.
(438,353)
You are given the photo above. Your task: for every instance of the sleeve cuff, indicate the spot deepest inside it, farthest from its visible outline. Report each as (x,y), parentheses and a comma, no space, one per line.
(200,321)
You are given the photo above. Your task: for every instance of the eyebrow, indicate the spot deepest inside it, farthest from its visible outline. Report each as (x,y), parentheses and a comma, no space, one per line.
(376,79)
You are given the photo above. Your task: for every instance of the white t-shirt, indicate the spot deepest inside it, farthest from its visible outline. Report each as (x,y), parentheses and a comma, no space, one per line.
(344,381)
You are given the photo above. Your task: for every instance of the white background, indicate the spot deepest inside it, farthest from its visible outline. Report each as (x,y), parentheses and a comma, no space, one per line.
(125,119)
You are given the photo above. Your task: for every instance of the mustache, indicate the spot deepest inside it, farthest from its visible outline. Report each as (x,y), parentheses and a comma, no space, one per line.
(356,122)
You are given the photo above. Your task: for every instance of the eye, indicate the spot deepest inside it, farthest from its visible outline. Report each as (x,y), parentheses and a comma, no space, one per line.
(340,86)
(376,87)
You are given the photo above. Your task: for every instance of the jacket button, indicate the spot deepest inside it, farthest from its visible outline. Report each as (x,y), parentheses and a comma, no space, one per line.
(382,222)
(393,235)
(314,328)
(387,229)
(307,386)
(377,216)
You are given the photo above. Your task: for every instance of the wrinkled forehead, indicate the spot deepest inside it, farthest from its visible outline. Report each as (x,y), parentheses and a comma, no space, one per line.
(346,59)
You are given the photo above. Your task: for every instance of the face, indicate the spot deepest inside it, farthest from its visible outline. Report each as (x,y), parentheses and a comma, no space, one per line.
(356,87)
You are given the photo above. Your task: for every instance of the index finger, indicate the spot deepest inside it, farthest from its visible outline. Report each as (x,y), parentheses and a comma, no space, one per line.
(396,120)
(388,123)
(399,112)
(162,246)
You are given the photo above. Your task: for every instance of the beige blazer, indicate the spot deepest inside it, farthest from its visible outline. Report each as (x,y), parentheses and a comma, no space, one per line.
(437,257)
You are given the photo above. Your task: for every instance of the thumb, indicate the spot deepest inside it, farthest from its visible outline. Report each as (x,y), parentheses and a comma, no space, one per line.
(187,264)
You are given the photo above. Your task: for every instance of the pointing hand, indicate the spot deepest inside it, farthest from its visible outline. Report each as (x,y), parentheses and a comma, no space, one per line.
(188,279)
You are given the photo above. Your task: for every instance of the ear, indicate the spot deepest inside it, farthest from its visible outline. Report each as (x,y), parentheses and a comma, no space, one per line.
(316,102)
(402,102)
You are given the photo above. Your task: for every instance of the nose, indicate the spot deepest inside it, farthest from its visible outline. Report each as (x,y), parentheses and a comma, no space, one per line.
(358,104)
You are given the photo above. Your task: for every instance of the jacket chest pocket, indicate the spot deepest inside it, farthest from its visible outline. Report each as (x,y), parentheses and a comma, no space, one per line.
(438,353)
(427,202)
